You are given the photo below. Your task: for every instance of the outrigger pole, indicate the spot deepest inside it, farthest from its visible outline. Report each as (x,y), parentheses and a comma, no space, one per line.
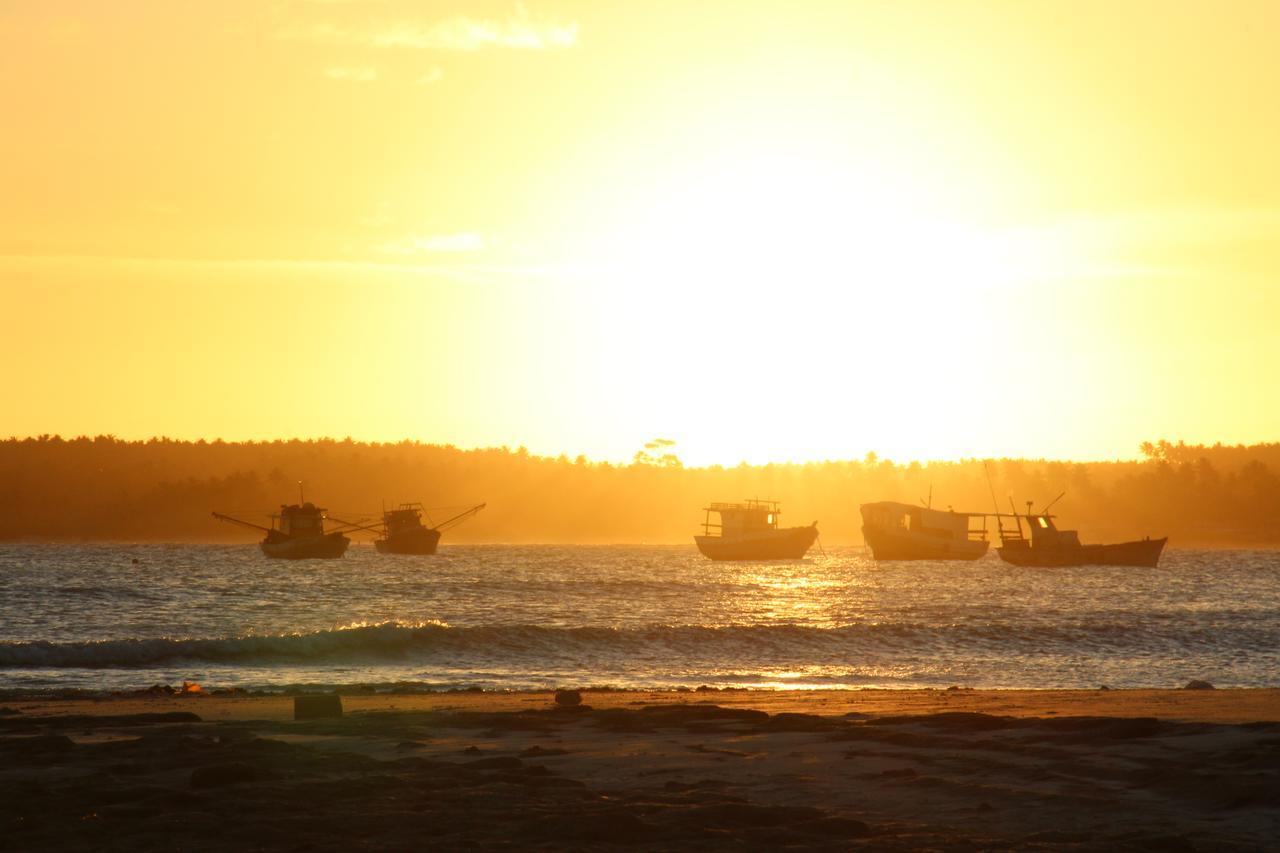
(449,522)
(360,525)
(231,520)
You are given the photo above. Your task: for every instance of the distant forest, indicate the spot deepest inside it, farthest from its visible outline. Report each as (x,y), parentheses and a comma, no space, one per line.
(106,489)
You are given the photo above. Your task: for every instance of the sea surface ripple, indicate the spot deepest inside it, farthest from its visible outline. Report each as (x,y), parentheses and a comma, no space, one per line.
(123,617)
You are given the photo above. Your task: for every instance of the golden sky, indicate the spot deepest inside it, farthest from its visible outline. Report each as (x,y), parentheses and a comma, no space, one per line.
(767,230)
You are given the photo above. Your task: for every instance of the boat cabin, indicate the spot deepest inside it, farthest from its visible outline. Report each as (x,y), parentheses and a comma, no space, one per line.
(405,517)
(739,519)
(891,516)
(1045,534)
(301,520)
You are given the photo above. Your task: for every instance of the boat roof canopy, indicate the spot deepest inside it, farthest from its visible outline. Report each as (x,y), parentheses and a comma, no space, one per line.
(746,506)
(307,508)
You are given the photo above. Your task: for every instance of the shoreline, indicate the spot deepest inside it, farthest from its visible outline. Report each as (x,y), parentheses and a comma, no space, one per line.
(1228,706)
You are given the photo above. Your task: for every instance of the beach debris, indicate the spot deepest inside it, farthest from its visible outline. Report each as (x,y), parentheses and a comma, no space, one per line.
(1196,684)
(190,688)
(317,705)
(160,690)
(568,698)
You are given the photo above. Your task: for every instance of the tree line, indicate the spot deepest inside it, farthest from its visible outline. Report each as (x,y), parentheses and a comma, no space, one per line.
(107,489)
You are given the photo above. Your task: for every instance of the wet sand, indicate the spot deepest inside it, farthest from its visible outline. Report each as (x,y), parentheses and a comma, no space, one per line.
(874,769)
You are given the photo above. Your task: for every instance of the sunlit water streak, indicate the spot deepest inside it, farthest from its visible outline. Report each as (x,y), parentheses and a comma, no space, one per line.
(89,617)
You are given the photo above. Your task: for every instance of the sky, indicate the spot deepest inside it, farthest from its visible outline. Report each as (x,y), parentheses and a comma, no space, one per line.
(768,231)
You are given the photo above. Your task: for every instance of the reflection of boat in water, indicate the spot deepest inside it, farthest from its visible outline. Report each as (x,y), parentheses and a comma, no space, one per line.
(1049,546)
(299,534)
(404,533)
(898,531)
(749,531)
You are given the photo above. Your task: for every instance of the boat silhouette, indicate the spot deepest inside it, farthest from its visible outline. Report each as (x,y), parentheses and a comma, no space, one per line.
(402,530)
(898,531)
(749,531)
(296,533)
(1049,546)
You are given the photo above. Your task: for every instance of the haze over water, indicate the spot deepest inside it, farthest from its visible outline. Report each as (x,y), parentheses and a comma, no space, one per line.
(88,617)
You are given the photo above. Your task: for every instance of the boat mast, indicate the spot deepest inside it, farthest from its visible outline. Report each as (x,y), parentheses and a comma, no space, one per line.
(995,505)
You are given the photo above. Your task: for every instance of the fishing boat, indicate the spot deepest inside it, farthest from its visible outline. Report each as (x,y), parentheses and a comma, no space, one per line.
(898,531)
(402,530)
(404,533)
(296,533)
(1049,546)
(749,531)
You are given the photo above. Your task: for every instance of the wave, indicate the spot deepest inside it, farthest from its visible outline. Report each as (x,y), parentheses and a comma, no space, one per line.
(506,645)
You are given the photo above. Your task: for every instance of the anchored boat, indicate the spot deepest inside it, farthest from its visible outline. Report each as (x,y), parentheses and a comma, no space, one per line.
(898,531)
(749,531)
(402,530)
(404,533)
(296,533)
(1049,546)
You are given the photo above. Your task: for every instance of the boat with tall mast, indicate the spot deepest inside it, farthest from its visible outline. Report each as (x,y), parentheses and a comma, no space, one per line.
(1049,546)
(749,531)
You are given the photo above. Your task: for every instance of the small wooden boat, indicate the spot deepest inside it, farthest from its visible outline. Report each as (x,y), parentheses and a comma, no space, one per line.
(749,531)
(1049,546)
(898,531)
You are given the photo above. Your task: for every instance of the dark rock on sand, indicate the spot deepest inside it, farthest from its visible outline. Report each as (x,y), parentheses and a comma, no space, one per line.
(1198,685)
(568,698)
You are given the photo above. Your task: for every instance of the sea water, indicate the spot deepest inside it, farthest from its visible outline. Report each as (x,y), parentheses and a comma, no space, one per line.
(123,617)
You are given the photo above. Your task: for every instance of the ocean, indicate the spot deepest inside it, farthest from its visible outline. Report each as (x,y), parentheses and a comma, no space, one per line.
(103,618)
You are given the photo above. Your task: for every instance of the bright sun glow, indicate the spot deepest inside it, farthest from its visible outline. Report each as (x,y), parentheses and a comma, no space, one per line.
(797,291)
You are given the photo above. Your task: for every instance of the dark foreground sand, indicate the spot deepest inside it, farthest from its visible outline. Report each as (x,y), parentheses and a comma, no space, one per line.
(876,770)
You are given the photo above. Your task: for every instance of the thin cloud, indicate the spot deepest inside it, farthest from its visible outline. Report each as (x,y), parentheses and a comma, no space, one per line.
(518,31)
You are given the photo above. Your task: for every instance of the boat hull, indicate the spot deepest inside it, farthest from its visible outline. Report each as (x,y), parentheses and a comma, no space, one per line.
(327,547)
(788,544)
(1143,552)
(421,541)
(892,545)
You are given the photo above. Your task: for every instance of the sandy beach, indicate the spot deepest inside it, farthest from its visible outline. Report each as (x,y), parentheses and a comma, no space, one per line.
(871,769)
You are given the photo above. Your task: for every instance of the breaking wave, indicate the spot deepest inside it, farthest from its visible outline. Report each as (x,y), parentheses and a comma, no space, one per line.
(436,643)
